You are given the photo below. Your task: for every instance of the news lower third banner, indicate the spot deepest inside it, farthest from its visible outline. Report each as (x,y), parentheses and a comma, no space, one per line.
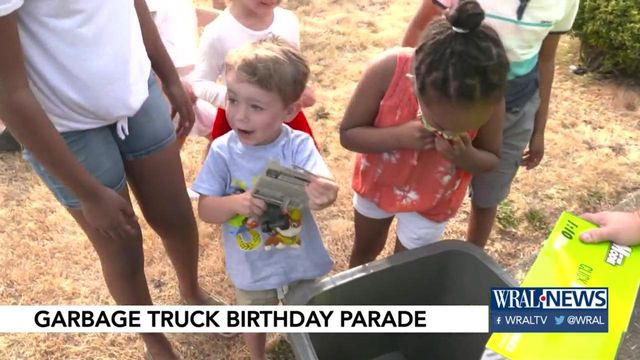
(569,310)
(226,318)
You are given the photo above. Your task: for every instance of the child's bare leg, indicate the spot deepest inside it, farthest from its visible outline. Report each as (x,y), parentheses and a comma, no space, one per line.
(157,181)
(370,237)
(399,247)
(256,344)
(181,140)
(480,225)
(122,262)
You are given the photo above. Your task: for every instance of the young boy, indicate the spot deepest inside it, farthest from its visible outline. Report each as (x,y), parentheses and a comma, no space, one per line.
(265,81)
(243,21)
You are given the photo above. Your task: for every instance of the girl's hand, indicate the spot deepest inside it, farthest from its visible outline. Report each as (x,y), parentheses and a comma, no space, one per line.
(249,206)
(110,214)
(182,105)
(413,135)
(322,192)
(454,149)
(188,89)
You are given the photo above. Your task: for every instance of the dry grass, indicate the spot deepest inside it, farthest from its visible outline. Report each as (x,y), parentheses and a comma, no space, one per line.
(591,162)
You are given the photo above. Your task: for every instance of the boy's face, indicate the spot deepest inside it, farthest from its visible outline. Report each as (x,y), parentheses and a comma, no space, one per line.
(255,114)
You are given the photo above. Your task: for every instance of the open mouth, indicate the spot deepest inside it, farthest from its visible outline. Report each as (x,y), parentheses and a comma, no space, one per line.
(244,132)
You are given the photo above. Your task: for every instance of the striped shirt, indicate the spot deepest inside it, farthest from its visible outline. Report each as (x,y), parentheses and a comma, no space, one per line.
(522,26)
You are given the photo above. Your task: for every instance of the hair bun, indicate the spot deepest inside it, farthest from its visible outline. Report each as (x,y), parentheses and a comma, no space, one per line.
(467,16)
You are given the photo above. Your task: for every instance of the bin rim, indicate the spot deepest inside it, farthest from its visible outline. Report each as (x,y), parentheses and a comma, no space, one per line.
(303,348)
(302,295)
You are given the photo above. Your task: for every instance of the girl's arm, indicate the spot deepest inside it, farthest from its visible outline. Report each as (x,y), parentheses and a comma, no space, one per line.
(164,68)
(208,68)
(481,155)
(357,132)
(546,69)
(427,12)
(102,207)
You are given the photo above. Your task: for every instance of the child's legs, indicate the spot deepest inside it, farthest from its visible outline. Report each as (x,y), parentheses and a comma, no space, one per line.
(121,259)
(371,229)
(154,171)
(122,262)
(180,140)
(414,230)
(491,188)
(481,222)
(398,247)
(158,183)
(487,191)
(256,342)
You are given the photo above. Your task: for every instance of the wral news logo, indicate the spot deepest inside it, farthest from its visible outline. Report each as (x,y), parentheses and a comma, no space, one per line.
(549,310)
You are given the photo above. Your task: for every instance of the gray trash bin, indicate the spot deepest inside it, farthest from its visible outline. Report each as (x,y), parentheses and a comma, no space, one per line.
(448,272)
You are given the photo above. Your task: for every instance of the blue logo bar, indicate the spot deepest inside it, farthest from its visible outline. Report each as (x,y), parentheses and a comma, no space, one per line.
(549,310)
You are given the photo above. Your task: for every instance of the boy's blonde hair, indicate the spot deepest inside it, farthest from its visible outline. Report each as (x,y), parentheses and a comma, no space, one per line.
(273,65)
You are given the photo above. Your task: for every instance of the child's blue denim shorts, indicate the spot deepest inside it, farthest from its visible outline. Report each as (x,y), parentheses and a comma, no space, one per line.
(103,153)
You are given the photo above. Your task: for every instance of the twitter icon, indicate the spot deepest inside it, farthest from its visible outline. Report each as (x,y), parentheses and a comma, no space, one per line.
(559,319)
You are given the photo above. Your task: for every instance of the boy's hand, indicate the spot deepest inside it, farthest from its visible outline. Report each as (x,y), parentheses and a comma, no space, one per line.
(249,206)
(619,227)
(322,192)
(455,149)
(413,135)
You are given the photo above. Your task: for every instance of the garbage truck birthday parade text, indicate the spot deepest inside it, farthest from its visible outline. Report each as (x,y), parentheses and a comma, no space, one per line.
(243,319)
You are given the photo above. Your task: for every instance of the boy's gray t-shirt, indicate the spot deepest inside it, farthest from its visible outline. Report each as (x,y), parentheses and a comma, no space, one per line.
(296,253)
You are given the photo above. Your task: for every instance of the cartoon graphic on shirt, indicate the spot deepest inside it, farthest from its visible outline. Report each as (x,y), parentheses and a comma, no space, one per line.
(247,237)
(288,236)
(283,230)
